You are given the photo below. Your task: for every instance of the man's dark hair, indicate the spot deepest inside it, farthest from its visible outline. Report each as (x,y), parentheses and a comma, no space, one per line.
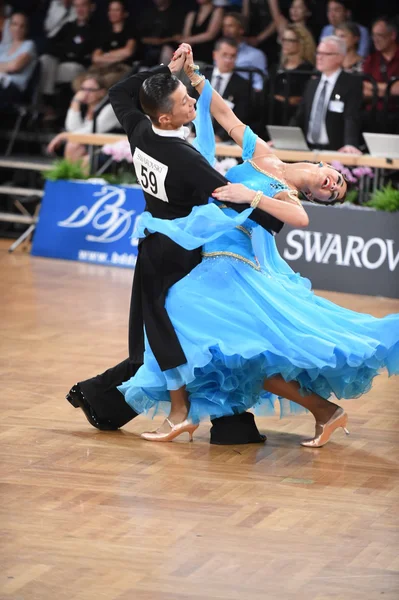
(347,4)
(390,23)
(155,94)
(241,19)
(352,27)
(121,2)
(226,40)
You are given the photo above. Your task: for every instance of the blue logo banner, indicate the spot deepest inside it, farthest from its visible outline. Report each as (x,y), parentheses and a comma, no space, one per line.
(89,221)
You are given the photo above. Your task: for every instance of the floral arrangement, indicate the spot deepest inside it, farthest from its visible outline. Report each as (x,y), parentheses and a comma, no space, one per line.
(121,154)
(119,151)
(385,198)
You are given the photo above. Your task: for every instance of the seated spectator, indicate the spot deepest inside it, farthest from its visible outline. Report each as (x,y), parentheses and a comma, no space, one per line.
(338,11)
(69,53)
(17,61)
(383,64)
(330,110)
(35,11)
(116,44)
(234,26)
(297,58)
(59,12)
(261,28)
(159,28)
(79,119)
(233,88)
(201,28)
(350,33)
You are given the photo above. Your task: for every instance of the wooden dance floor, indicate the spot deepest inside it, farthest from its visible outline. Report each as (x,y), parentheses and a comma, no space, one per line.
(90,515)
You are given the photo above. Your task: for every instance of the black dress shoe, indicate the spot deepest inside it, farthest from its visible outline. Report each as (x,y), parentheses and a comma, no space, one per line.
(77,399)
(236,429)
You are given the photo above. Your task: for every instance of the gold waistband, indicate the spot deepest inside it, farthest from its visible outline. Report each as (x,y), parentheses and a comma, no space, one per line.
(255,265)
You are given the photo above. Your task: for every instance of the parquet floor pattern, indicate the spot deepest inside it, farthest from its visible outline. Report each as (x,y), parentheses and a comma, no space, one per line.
(89,515)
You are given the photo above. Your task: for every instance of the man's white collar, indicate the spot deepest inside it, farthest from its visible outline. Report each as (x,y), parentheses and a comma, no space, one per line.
(182,133)
(217,73)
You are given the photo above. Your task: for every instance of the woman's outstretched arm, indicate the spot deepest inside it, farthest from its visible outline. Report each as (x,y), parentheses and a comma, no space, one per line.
(219,108)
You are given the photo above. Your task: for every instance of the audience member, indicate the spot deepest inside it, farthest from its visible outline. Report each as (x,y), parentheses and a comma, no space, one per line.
(234,27)
(383,64)
(261,28)
(330,111)
(338,11)
(350,33)
(35,11)
(296,64)
(233,88)
(201,28)
(17,61)
(59,13)
(300,12)
(117,43)
(159,28)
(69,53)
(79,119)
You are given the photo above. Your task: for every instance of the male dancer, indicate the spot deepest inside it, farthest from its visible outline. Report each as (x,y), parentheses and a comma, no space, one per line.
(153,107)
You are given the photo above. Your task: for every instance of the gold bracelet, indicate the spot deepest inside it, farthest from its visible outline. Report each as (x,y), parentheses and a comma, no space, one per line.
(257,199)
(197,81)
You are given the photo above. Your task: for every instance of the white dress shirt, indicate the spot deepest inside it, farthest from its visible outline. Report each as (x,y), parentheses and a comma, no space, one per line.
(183,132)
(225,78)
(331,81)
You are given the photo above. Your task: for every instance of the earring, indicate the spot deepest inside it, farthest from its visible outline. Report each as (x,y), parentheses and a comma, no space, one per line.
(320,164)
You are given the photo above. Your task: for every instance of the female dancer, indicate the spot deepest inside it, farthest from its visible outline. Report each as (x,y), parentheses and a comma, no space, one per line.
(250,327)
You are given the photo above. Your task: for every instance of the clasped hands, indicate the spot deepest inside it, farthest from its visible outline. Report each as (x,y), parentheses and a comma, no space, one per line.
(183,59)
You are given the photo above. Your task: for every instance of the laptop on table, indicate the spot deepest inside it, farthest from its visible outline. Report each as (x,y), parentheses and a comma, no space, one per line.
(287,138)
(384,145)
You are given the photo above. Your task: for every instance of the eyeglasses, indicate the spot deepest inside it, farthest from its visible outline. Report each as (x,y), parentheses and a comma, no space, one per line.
(289,40)
(90,89)
(326,53)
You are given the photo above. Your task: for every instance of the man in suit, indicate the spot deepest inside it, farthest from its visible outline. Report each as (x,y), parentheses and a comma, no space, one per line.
(233,88)
(330,111)
(234,27)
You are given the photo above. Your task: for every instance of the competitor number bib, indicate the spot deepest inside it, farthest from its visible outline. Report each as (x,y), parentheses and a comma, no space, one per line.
(151,174)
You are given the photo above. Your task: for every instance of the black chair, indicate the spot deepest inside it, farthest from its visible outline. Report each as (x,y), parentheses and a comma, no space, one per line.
(370,121)
(28,110)
(390,109)
(280,113)
(257,98)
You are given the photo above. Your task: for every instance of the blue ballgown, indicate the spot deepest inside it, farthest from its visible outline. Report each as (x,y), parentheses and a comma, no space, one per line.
(244,315)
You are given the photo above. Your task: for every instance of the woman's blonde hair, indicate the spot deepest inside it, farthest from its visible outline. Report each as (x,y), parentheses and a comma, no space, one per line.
(307,46)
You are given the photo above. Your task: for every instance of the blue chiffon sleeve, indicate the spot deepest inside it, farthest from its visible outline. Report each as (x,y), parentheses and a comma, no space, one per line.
(204,224)
(205,135)
(204,141)
(248,143)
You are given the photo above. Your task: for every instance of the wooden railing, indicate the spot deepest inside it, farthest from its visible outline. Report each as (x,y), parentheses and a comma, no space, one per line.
(227,150)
